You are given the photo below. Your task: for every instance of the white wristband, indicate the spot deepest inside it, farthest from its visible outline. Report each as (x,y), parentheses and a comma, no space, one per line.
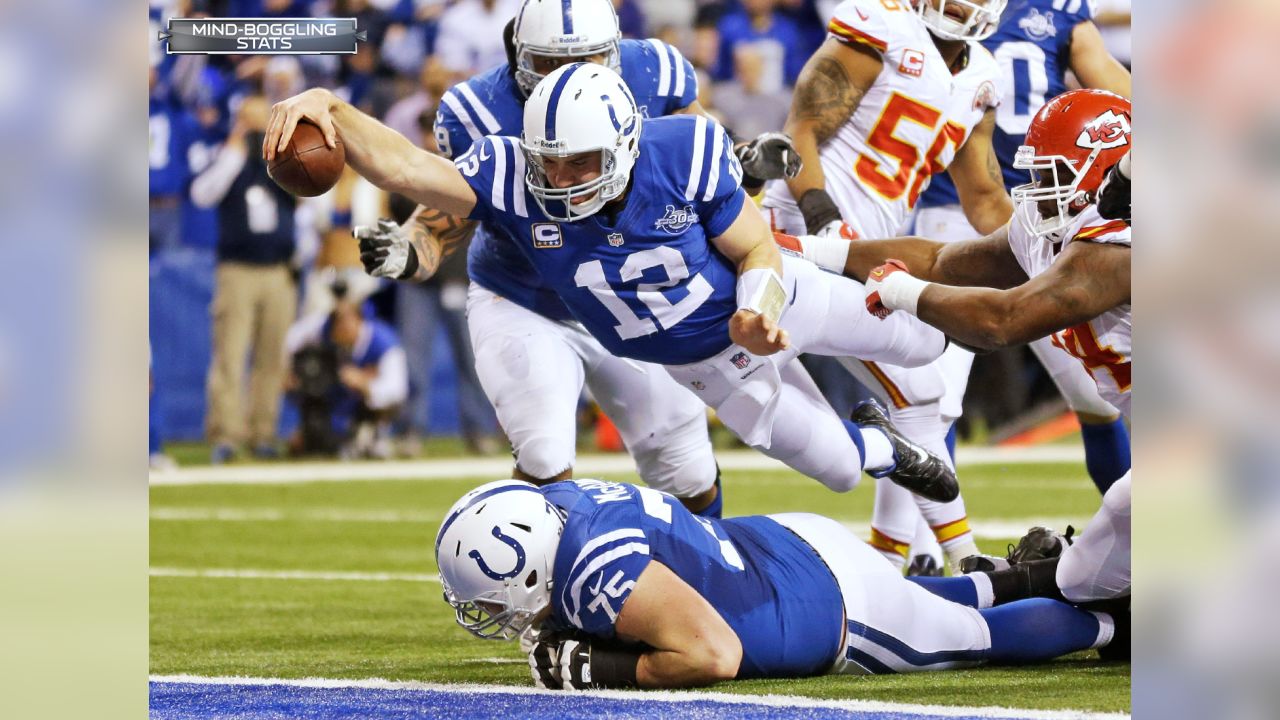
(760,290)
(901,291)
(825,251)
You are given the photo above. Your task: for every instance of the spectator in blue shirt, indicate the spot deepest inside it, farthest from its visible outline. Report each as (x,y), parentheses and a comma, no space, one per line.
(774,36)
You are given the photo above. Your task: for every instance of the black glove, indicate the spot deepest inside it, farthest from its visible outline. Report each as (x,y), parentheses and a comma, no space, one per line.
(769,157)
(544,659)
(584,665)
(1115,195)
(385,251)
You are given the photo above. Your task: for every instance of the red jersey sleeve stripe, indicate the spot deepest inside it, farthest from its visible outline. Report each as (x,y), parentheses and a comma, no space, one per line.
(845,32)
(1096,230)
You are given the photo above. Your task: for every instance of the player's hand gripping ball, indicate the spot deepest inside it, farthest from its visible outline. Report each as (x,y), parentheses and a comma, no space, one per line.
(307,167)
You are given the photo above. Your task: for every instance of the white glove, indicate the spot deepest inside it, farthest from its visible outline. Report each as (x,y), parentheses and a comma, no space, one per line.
(385,250)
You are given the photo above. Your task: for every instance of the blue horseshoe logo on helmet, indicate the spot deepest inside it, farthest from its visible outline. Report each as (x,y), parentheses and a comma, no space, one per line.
(484,567)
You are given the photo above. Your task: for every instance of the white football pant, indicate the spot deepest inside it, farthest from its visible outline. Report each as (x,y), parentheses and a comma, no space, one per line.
(884,611)
(772,404)
(533,369)
(912,396)
(1098,566)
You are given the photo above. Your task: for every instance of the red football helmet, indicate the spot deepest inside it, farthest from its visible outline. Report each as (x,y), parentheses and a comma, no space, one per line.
(1071,143)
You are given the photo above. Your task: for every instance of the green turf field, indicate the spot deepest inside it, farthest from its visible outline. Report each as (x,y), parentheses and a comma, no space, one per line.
(386,619)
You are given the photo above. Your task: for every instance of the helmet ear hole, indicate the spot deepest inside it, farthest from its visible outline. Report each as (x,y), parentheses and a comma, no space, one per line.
(532,580)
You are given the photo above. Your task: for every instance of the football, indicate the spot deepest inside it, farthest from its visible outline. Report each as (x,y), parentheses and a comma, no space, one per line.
(307,167)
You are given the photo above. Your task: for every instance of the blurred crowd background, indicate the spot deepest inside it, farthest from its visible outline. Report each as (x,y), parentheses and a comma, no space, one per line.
(208,315)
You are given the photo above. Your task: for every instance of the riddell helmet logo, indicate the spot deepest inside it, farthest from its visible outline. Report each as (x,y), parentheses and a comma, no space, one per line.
(1106,131)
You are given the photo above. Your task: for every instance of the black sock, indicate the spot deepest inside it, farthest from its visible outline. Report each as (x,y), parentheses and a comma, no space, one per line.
(1035,578)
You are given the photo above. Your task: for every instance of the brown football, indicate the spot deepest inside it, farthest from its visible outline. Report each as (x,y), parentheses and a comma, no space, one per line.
(307,167)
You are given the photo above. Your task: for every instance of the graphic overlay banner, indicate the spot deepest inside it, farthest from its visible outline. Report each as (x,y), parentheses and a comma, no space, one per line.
(261,36)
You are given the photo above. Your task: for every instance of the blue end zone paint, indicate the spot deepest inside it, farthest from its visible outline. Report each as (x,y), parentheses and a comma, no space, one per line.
(183,701)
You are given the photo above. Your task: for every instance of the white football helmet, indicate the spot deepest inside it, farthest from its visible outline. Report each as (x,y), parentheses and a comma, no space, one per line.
(983,18)
(563,29)
(495,550)
(580,108)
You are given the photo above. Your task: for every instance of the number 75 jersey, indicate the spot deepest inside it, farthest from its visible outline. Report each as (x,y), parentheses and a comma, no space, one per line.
(909,124)
(648,283)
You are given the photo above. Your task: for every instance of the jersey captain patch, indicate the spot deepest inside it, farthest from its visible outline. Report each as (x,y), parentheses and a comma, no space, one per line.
(547,235)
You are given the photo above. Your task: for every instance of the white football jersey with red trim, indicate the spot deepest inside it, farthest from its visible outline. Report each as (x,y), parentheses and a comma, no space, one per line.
(1104,344)
(907,127)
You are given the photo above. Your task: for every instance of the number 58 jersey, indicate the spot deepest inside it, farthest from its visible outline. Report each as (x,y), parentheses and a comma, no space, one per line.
(646,282)
(909,124)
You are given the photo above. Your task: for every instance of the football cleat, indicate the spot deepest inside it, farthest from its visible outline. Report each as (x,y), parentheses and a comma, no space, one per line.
(924,566)
(914,468)
(1040,544)
(982,563)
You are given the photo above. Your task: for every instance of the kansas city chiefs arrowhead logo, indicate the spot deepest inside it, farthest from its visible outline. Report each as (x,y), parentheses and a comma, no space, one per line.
(1106,131)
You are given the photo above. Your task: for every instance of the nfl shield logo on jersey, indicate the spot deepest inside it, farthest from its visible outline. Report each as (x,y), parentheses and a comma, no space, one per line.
(615,239)
(741,360)
(698,385)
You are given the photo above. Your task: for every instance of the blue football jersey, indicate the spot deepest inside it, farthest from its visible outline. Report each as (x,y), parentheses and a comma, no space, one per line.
(1033,47)
(767,583)
(490,103)
(171,130)
(648,284)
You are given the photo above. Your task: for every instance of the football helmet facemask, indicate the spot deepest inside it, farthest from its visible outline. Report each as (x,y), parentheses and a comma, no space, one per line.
(1074,139)
(983,17)
(562,30)
(580,108)
(495,550)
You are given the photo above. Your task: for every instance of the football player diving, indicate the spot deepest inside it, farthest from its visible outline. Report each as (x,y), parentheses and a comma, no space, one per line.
(642,228)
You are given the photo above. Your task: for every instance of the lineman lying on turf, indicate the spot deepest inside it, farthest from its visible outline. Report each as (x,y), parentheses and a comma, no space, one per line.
(628,589)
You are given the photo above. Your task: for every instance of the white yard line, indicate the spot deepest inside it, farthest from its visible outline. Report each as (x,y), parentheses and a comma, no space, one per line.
(250,574)
(500,467)
(995,529)
(791,701)
(230,514)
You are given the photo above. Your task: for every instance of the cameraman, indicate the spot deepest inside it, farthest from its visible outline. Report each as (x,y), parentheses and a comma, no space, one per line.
(350,377)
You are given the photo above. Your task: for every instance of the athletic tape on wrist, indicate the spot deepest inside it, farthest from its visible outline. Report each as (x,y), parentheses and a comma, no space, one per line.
(901,291)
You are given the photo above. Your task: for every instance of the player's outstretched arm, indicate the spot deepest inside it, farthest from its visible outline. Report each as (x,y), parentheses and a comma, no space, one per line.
(979,180)
(1086,280)
(691,643)
(1093,65)
(383,156)
(984,262)
(827,93)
